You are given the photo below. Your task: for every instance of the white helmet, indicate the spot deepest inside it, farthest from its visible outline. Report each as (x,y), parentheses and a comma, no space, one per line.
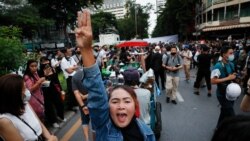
(233,91)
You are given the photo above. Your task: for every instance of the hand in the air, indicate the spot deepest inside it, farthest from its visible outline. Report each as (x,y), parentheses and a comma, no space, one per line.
(84,30)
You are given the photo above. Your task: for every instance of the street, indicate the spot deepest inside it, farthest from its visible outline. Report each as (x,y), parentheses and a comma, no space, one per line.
(193,118)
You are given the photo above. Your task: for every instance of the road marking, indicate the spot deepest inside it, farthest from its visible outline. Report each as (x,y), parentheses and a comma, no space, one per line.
(179,97)
(71,131)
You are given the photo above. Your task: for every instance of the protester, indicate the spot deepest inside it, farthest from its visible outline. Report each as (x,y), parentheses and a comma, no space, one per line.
(187,55)
(172,64)
(222,74)
(56,60)
(113,118)
(131,77)
(77,57)
(52,94)
(233,129)
(18,122)
(69,67)
(81,95)
(203,63)
(245,104)
(157,67)
(34,83)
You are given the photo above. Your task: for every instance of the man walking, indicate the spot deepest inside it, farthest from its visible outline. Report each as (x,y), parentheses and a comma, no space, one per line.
(157,67)
(203,62)
(187,57)
(172,63)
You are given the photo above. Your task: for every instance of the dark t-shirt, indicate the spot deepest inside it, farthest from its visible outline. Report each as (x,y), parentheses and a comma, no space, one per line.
(204,61)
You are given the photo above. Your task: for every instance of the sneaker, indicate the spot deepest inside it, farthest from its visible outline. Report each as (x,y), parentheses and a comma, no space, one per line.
(209,94)
(197,93)
(55,125)
(167,99)
(174,102)
(62,120)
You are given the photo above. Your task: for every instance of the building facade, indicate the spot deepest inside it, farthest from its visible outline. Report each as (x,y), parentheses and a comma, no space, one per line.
(221,18)
(116,7)
(160,4)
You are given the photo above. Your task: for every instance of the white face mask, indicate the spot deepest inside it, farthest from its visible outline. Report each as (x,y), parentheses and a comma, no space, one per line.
(231,58)
(27,96)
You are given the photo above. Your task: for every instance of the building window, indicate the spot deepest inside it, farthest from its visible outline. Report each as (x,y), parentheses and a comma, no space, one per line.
(221,14)
(232,12)
(245,10)
(209,16)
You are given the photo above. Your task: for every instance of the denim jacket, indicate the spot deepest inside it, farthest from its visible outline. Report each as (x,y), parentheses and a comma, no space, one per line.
(99,109)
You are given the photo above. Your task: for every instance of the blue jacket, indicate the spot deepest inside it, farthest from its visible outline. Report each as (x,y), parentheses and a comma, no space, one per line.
(99,109)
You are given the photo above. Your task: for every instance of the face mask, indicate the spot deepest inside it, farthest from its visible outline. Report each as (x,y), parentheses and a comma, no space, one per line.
(173,53)
(27,96)
(231,58)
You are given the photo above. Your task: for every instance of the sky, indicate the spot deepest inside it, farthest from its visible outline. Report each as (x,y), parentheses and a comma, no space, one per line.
(152,19)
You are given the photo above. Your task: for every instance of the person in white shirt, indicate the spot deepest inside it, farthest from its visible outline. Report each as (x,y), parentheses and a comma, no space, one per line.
(187,57)
(69,67)
(18,121)
(102,56)
(77,57)
(56,61)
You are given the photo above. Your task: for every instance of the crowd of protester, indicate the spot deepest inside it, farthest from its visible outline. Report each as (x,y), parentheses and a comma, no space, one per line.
(41,89)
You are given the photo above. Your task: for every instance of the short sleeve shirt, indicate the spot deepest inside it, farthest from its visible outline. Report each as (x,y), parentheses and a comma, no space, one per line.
(65,64)
(172,61)
(77,82)
(222,70)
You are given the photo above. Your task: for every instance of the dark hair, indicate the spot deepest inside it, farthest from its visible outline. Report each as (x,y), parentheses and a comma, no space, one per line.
(27,71)
(224,50)
(43,59)
(131,92)
(173,47)
(11,100)
(233,129)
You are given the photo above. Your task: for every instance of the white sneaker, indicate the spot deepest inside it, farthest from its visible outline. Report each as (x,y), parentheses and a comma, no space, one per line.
(62,120)
(55,125)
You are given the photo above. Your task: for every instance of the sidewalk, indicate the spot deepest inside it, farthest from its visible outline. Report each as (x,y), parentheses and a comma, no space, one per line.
(68,115)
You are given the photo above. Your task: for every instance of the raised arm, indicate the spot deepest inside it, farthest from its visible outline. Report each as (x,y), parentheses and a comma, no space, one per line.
(92,80)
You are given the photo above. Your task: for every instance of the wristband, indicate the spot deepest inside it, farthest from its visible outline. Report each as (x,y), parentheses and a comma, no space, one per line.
(83,106)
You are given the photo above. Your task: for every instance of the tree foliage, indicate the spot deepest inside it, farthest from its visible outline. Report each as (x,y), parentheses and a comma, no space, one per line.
(24,16)
(11,54)
(101,22)
(176,18)
(62,11)
(127,26)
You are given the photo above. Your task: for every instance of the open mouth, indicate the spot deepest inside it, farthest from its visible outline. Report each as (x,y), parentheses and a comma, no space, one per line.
(121,117)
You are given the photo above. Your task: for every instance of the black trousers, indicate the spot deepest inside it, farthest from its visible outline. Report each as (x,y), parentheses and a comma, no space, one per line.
(226,109)
(160,73)
(71,100)
(199,77)
(53,104)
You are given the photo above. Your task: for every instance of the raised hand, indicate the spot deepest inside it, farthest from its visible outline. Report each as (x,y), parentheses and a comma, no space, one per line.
(84,30)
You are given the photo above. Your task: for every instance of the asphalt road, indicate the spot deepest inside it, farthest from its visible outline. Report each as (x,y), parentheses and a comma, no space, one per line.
(193,118)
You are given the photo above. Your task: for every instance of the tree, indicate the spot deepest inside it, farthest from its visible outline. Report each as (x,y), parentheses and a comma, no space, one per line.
(137,17)
(101,22)
(63,12)
(22,15)
(11,55)
(176,18)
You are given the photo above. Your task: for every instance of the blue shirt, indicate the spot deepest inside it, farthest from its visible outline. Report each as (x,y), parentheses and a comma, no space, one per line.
(99,109)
